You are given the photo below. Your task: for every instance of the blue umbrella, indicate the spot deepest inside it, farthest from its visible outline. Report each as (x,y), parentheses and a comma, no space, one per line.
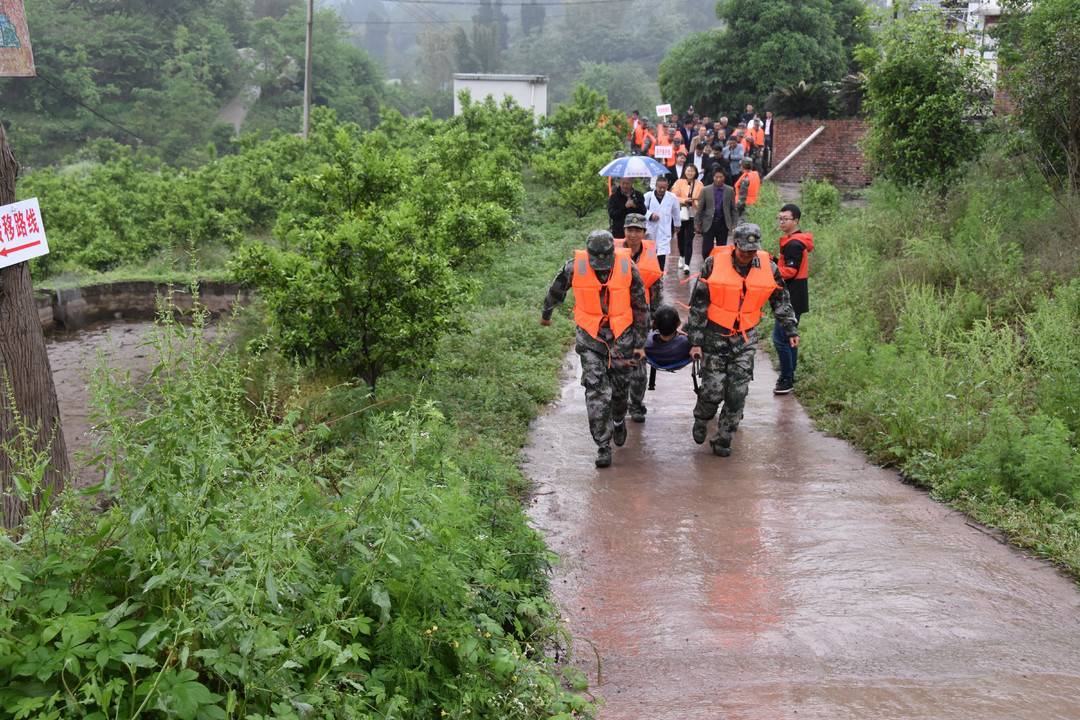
(633,166)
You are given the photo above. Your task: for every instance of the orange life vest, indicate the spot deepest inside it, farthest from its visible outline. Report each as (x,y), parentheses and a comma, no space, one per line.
(648,266)
(807,241)
(757,136)
(639,134)
(752,190)
(735,302)
(652,148)
(588,311)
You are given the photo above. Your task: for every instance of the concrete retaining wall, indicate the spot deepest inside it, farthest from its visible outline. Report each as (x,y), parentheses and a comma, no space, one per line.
(74,308)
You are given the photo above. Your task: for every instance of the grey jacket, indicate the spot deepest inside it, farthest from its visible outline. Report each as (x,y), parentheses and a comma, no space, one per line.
(704,217)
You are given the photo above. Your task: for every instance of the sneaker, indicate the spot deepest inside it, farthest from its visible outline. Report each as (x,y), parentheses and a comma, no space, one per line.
(618,433)
(721,445)
(603,457)
(686,270)
(701,428)
(783,386)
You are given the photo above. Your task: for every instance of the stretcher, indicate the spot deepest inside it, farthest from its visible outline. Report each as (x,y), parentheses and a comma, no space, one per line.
(673,367)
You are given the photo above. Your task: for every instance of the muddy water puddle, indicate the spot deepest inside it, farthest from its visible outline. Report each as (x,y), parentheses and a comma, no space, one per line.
(73,357)
(790,580)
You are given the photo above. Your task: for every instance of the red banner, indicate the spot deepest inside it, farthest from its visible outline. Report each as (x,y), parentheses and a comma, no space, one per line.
(16,57)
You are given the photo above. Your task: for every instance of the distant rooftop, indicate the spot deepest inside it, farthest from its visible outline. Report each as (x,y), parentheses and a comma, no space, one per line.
(493,76)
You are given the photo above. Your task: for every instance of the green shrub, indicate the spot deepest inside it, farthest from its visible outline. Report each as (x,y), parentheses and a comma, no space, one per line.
(585,135)
(363,295)
(935,344)
(922,87)
(247,565)
(371,242)
(819,201)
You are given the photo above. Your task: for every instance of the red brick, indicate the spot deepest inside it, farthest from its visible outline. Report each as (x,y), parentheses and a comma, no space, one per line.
(834,155)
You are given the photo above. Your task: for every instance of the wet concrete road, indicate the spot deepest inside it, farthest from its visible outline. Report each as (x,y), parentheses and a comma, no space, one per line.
(790,580)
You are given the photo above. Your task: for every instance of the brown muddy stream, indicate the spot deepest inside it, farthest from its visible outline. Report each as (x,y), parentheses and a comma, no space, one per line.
(73,357)
(790,580)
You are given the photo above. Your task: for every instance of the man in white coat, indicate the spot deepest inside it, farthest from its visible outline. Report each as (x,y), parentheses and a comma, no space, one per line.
(661,217)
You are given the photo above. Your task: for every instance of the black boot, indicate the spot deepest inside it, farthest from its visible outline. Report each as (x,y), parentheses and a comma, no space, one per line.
(701,429)
(618,433)
(603,457)
(721,445)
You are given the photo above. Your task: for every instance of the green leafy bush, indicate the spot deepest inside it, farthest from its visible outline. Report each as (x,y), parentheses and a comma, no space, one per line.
(938,346)
(371,240)
(819,201)
(247,565)
(586,134)
(922,90)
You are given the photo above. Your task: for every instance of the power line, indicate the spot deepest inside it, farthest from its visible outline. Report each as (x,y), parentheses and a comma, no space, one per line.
(86,107)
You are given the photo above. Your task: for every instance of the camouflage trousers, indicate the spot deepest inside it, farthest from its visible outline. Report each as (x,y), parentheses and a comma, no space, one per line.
(607,392)
(639,380)
(727,367)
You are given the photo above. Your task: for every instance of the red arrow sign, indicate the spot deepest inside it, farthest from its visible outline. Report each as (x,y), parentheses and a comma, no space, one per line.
(4,252)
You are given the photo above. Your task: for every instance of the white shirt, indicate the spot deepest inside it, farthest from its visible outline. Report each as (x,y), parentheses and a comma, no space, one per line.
(660,229)
(698,162)
(768,126)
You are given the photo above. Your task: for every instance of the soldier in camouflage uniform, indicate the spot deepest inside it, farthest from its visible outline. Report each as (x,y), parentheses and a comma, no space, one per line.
(639,376)
(727,351)
(606,360)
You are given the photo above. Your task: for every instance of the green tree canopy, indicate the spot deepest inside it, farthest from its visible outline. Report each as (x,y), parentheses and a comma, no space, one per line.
(1041,56)
(764,44)
(921,92)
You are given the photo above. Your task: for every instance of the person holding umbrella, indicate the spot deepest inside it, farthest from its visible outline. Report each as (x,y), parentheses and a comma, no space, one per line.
(626,199)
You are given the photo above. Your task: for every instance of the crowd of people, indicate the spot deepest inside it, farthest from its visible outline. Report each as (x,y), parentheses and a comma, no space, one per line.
(714,171)
(623,324)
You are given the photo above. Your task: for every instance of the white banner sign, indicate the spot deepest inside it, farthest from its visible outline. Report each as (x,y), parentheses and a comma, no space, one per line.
(662,110)
(663,152)
(22,234)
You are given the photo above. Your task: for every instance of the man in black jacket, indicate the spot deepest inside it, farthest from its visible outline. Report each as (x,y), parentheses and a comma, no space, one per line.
(626,199)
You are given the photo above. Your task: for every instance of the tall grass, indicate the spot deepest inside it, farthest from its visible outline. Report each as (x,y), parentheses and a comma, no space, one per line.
(944,339)
(291,552)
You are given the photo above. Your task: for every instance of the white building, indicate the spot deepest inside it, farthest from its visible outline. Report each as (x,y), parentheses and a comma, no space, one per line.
(529,91)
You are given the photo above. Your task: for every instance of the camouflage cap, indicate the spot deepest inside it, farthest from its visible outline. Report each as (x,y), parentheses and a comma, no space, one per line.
(635,220)
(748,237)
(747,162)
(601,247)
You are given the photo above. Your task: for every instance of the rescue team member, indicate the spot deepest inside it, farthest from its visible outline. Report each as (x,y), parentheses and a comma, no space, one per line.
(648,140)
(794,262)
(756,136)
(639,137)
(643,253)
(725,309)
(612,320)
(746,188)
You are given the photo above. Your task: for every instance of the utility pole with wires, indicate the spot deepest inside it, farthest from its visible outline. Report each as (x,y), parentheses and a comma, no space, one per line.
(307,68)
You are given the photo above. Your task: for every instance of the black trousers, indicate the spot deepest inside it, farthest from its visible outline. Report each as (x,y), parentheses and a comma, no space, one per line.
(715,236)
(686,240)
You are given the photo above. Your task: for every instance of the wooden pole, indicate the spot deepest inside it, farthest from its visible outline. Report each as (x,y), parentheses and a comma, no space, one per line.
(795,152)
(307,68)
(25,375)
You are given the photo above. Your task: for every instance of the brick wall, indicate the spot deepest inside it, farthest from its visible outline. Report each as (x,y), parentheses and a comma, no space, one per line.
(834,155)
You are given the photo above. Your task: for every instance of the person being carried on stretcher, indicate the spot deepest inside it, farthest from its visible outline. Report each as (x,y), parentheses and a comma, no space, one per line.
(667,348)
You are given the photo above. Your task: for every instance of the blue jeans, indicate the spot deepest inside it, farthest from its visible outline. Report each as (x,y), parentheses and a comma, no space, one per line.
(789,356)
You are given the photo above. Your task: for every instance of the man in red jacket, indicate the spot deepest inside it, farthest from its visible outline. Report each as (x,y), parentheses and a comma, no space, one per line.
(794,264)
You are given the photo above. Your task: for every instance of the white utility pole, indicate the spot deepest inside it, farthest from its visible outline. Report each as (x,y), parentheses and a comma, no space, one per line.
(307,69)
